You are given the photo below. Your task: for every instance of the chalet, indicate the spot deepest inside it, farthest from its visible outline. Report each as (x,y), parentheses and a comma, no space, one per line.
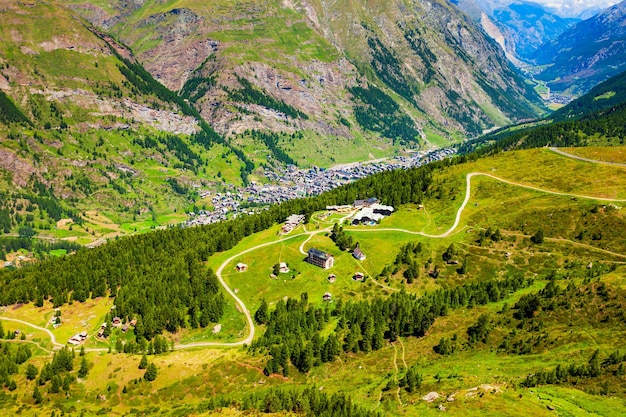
(117,322)
(365,203)
(339,209)
(319,258)
(17,332)
(100,332)
(125,328)
(292,222)
(332,278)
(358,254)
(82,335)
(327,296)
(358,276)
(380,209)
(283,268)
(241,267)
(133,322)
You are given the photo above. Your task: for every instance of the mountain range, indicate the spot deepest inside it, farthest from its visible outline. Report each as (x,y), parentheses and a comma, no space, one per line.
(589,52)
(116,105)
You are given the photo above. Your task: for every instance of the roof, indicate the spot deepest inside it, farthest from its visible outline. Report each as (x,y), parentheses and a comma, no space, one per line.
(316,253)
(358,252)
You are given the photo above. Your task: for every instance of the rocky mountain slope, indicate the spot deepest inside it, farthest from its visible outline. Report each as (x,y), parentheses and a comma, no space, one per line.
(131,107)
(588,53)
(426,56)
(520,28)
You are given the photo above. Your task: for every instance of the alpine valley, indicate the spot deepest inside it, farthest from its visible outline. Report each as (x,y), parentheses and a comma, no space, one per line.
(310,208)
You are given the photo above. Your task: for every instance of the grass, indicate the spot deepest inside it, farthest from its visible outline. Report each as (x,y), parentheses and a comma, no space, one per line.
(600,153)
(483,380)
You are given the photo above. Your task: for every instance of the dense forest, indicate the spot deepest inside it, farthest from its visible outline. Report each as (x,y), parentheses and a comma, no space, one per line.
(376,111)
(294,328)
(249,94)
(166,292)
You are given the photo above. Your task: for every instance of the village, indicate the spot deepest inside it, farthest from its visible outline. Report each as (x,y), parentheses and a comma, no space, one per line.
(366,212)
(290,183)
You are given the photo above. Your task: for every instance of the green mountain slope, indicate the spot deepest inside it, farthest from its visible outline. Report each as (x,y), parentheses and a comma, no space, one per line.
(524,297)
(593,119)
(443,71)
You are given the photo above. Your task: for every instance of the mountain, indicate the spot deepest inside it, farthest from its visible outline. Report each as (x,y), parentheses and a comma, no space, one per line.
(519,27)
(321,60)
(603,97)
(588,53)
(131,108)
(578,9)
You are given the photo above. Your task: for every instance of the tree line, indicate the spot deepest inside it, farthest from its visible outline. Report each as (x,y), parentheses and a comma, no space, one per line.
(293,330)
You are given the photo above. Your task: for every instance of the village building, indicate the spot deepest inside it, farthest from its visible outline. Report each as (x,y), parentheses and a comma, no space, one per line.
(241,267)
(327,296)
(339,209)
(292,222)
(283,268)
(358,276)
(358,254)
(125,328)
(117,322)
(133,322)
(332,278)
(319,258)
(372,214)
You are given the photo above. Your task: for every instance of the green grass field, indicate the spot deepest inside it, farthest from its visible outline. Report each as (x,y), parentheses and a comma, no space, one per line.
(482,379)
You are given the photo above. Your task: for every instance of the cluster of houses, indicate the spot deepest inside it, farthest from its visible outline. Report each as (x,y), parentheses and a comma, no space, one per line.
(78,338)
(292,222)
(117,323)
(297,183)
(371,214)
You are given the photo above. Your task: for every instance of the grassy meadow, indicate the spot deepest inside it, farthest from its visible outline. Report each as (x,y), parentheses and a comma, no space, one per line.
(478,379)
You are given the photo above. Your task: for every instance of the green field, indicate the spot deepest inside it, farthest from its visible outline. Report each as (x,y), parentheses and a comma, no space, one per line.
(482,379)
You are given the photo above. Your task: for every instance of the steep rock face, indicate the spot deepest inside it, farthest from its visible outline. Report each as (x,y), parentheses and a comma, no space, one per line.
(434,61)
(523,26)
(588,53)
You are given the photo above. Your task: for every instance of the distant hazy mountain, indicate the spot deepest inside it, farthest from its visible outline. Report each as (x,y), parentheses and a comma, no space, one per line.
(520,28)
(580,9)
(588,53)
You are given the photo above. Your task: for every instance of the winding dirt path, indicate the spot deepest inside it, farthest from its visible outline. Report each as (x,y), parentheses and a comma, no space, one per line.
(53,338)
(581,158)
(240,303)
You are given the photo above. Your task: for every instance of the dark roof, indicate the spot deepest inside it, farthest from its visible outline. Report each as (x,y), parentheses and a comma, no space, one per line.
(357,252)
(316,253)
(371,200)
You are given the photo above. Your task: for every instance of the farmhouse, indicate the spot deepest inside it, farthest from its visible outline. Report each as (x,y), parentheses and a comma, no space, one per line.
(358,254)
(327,296)
(358,276)
(332,278)
(283,268)
(241,267)
(292,222)
(319,258)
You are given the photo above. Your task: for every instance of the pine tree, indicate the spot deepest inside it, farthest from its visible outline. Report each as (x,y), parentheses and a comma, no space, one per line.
(151,373)
(262,314)
(538,237)
(31,372)
(143,364)
(37,395)
(84,368)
